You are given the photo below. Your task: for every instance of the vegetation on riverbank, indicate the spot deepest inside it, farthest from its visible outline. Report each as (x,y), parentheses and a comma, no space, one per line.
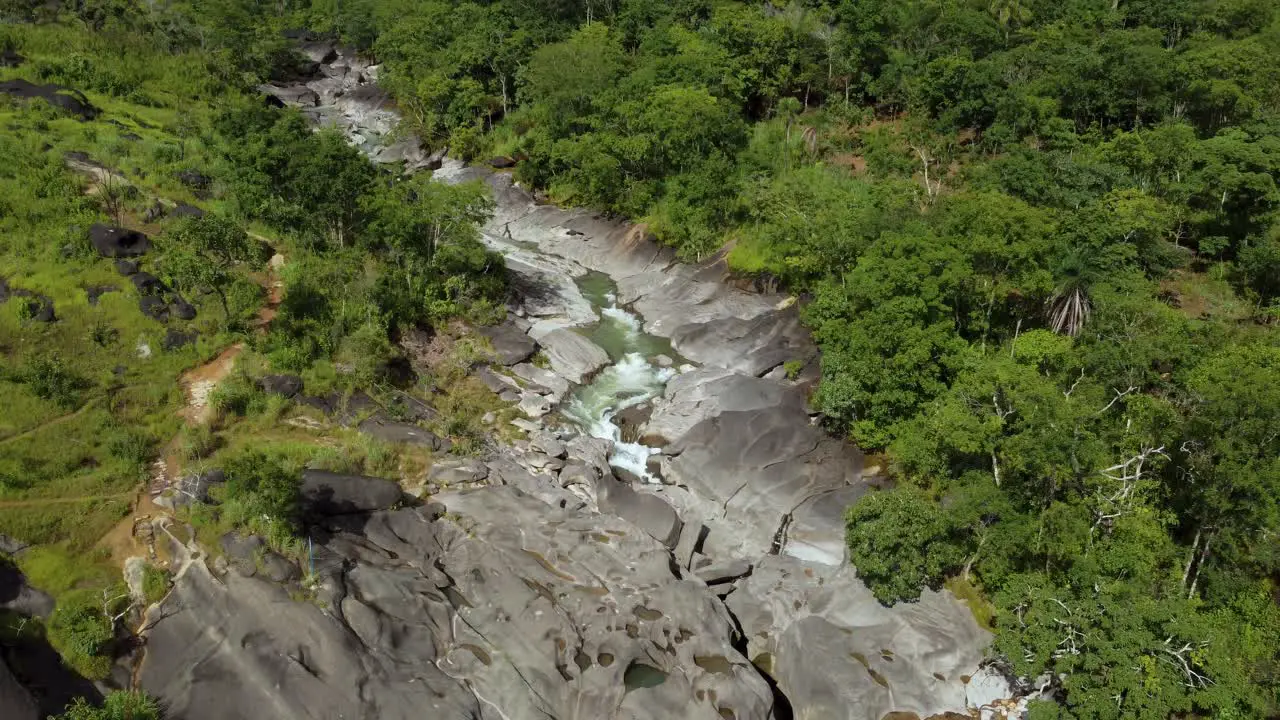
(92,389)
(1038,243)
(1040,247)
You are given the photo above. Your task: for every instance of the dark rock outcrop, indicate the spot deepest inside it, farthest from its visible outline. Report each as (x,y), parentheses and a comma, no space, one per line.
(182,210)
(326,494)
(95,292)
(175,339)
(511,345)
(384,428)
(37,306)
(193,179)
(69,101)
(284,385)
(118,242)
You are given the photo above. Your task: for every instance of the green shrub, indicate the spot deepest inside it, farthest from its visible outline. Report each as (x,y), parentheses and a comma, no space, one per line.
(130,444)
(238,395)
(899,541)
(49,378)
(82,633)
(117,705)
(155,584)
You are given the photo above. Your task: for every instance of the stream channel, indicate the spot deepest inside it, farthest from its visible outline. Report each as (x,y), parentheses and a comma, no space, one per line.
(634,377)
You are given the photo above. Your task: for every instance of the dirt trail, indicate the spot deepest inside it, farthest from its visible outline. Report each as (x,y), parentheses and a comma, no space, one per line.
(134,534)
(53,422)
(38,502)
(199,382)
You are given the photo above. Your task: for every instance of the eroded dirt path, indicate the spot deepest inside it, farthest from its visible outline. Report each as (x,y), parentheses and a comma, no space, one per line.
(135,534)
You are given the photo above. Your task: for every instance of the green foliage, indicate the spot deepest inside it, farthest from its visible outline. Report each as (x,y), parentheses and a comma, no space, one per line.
(49,378)
(117,705)
(155,584)
(887,532)
(203,255)
(82,633)
(261,494)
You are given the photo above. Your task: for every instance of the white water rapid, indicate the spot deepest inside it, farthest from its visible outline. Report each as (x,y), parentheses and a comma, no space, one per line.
(632,379)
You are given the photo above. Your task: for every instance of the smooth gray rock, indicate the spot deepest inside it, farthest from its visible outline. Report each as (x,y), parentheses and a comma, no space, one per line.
(241,647)
(573,357)
(745,472)
(729,571)
(592,452)
(546,442)
(457,472)
(836,652)
(645,510)
(702,394)
(319,51)
(327,493)
(563,608)
(816,530)
(510,344)
(293,95)
(384,428)
(506,471)
(542,381)
(496,382)
(535,406)
(16,702)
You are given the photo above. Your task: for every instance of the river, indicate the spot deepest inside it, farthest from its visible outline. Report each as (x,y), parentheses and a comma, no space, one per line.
(635,377)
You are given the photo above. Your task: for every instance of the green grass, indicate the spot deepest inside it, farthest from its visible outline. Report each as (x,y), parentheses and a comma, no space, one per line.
(70,462)
(967,592)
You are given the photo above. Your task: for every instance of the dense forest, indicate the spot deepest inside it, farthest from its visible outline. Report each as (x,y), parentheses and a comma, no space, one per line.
(1040,248)
(1037,241)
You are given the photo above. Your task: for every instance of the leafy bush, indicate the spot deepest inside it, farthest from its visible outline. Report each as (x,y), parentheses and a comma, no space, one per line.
(50,378)
(117,705)
(155,584)
(80,631)
(261,494)
(900,541)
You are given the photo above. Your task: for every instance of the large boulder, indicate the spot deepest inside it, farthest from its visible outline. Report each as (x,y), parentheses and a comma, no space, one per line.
(291,95)
(16,703)
(572,356)
(382,427)
(599,626)
(239,647)
(118,242)
(743,457)
(501,607)
(38,307)
(837,653)
(69,101)
(510,344)
(283,385)
(326,494)
(645,510)
(319,51)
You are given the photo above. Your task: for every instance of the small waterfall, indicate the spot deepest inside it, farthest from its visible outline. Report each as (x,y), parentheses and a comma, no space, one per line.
(631,380)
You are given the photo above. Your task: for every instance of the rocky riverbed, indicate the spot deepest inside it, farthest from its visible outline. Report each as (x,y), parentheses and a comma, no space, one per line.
(667,543)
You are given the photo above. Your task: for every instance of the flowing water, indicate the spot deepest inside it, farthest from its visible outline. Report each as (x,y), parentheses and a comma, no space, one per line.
(632,379)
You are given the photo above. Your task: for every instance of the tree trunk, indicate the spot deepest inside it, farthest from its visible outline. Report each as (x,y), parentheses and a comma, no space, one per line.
(1200,564)
(1191,558)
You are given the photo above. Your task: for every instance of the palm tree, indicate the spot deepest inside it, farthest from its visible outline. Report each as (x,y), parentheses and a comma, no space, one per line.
(1070,305)
(1010,14)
